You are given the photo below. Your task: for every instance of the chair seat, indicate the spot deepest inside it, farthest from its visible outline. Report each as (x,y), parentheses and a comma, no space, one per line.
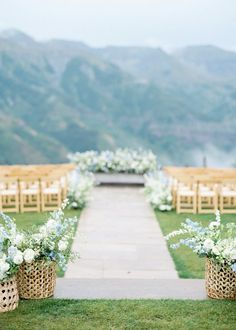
(186,192)
(207,193)
(229,193)
(29,191)
(53,190)
(6,192)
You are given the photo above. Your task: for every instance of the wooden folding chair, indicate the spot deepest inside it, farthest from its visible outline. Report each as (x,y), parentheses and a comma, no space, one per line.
(186,198)
(9,195)
(207,198)
(29,195)
(64,186)
(227,197)
(51,194)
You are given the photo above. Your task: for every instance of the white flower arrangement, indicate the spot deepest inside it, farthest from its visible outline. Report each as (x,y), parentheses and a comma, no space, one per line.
(86,161)
(119,161)
(216,241)
(10,255)
(50,241)
(79,189)
(158,191)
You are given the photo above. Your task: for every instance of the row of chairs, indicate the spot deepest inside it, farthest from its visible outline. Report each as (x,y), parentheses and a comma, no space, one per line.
(19,171)
(201,173)
(25,188)
(203,190)
(204,197)
(32,194)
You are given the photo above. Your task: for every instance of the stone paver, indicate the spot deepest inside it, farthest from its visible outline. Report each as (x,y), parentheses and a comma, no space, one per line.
(119,179)
(118,237)
(130,289)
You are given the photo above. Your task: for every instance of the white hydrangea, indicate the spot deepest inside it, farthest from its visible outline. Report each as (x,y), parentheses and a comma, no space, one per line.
(62,245)
(18,239)
(51,225)
(208,244)
(4,267)
(214,224)
(215,250)
(18,258)
(158,191)
(79,188)
(29,255)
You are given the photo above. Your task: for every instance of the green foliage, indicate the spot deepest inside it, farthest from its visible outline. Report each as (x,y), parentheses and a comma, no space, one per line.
(187,263)
(26,220)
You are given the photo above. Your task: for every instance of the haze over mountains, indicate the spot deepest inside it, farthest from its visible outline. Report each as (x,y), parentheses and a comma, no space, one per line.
(61,96)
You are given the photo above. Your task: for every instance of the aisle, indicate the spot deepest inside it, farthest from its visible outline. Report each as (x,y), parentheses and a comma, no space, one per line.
(119,238)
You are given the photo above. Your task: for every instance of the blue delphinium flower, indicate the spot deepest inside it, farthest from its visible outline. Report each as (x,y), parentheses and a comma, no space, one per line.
(52,255)
(234,267)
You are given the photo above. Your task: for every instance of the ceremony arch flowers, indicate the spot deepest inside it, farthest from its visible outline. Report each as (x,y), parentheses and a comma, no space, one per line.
(119,161)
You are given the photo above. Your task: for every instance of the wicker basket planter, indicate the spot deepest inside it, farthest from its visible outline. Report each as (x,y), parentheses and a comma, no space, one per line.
(36,280)
(9,297)
(220,281)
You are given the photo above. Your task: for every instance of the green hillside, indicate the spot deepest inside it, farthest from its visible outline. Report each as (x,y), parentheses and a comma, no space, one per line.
(61,96)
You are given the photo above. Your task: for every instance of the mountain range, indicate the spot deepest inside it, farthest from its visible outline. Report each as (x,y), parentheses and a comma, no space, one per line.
(63,96)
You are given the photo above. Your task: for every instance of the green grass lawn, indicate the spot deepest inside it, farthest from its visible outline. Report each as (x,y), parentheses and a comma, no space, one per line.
(26,220)
(188,264)
(120,314)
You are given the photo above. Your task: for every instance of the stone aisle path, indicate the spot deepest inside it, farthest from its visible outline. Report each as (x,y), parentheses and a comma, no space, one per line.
(118,237)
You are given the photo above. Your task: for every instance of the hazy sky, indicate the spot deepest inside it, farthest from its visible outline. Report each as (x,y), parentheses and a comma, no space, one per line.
(166,23)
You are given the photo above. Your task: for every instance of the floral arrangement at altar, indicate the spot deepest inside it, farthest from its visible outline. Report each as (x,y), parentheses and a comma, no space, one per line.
(217,241)
(79,189)
(10,255)
(119,161)
(85,161)
(158,191)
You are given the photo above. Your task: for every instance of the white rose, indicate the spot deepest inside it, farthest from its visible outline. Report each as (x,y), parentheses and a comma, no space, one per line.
(18,239)
(43,231)
(37,237)
(208,244)
(233,255)
(62,245)
(4,266)
(18,258)
(3,257)
(12,251)
(215,250)
(50,225)
(213,225)
(74,204)
(29,255)
(226,253)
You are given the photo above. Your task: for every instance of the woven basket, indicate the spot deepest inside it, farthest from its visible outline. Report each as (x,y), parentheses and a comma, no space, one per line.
(36,280)
(220,281)
(9,297)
